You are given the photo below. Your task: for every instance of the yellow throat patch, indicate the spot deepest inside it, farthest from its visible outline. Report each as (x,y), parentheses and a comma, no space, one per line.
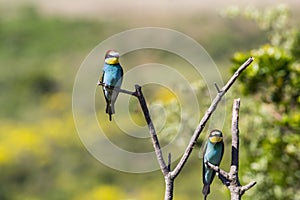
(215,139)
(112,61)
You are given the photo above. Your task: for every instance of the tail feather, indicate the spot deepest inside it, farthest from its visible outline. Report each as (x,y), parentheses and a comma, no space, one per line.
(110,110)
(206,190)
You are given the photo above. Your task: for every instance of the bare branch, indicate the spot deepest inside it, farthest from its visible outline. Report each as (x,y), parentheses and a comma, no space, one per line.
(138,93)
(152,131)
(237,73)
(118,89)
(206,117)
(218,170)
(169,187)
(164,168)
(169,162)
(247,187)
(235,141)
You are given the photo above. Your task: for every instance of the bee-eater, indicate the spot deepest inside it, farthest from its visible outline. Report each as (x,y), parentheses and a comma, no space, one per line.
(111,78)
(213,153)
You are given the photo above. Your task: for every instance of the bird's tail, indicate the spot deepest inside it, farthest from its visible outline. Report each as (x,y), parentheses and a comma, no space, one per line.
(205,191)
(110,109)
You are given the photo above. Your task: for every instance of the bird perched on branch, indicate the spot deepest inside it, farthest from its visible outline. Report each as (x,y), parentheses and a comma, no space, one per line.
(111,79)
(213,153)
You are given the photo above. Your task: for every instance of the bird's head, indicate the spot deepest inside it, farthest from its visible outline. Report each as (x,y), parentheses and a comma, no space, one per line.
(215,136)
(112,57)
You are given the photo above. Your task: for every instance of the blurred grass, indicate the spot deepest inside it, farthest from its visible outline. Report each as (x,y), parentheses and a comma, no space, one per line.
(41,156)
(39,56)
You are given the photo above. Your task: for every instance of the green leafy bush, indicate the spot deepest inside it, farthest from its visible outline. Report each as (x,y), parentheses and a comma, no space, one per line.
(274,121)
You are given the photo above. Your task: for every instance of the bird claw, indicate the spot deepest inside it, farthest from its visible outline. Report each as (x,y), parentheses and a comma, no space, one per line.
(101,83)
(104,85)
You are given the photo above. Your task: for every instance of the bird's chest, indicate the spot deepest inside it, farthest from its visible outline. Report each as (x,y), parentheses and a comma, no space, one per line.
(110,68)
(112,75)
(214,153)
(112,71)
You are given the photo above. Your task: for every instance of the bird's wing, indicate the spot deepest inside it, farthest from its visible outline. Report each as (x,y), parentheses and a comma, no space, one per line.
(222,151)
(103,87)
(211,172)
(121,71)
(121,74)
(120,79)
(102,76)
(203,166)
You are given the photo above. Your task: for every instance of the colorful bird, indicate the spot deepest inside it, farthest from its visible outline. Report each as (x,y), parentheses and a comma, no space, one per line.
(111,78)
(213,153)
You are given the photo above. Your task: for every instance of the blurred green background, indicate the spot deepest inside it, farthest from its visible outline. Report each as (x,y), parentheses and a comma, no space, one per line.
(42,47)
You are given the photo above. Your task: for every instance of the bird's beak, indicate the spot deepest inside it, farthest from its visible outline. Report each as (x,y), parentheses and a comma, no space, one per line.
(112,61)
(215,139)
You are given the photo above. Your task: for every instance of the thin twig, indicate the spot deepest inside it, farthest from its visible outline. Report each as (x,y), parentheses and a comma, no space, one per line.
(217,87)
(169,162)
(206,117)
(248,186)
(118,89)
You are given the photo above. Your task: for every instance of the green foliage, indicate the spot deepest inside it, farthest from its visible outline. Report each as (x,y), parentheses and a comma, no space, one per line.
(273,83)
(274,66)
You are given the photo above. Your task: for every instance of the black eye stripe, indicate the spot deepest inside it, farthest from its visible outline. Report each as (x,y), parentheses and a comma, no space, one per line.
(110,56)
(216,134)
